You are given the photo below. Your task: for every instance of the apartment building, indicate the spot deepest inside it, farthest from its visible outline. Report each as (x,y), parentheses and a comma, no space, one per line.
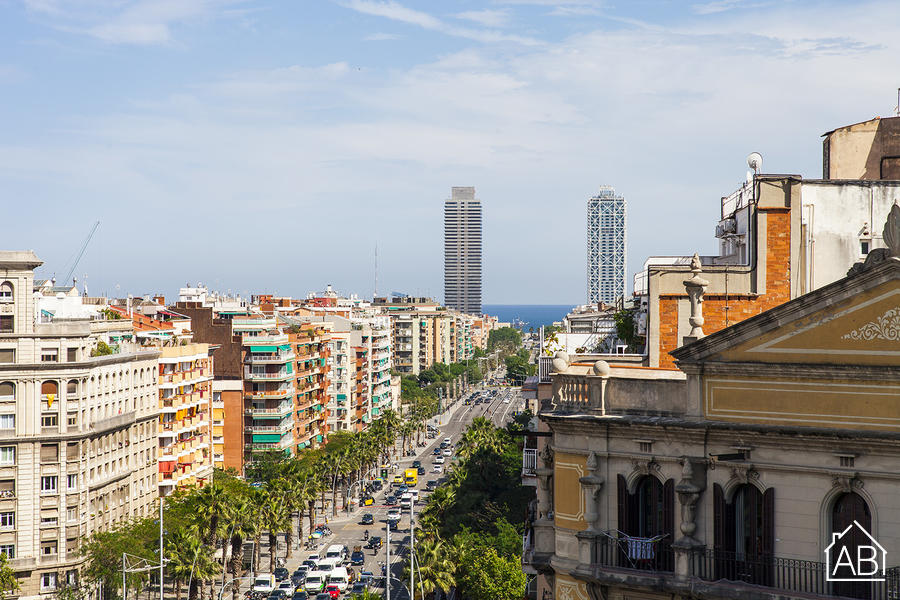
(185,416)
(269,385)
(310,342)
(78,427)
(746,473)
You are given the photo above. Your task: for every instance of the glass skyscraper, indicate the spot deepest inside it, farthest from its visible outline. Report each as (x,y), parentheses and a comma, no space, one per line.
(462,251)
(606,246)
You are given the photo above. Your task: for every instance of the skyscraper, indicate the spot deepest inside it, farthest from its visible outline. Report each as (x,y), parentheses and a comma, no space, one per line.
(462,251)
(606,246)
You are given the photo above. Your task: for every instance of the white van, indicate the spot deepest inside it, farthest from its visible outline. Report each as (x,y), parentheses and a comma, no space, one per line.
(340,578)
(315,581)
(336,551)
(327,565)
(264,582)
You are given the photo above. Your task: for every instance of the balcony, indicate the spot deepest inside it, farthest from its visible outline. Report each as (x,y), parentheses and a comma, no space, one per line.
(280,428)
(529,462)
(264,359)
(270,394)
(282,409)
(273,376)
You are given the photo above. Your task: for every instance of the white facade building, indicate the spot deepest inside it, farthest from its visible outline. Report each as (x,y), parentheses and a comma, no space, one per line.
(462,251)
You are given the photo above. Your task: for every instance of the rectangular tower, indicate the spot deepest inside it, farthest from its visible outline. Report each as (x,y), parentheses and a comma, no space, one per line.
(462,251)
(606,246)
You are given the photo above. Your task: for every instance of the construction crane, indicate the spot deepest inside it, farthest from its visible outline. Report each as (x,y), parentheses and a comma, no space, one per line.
(80,252)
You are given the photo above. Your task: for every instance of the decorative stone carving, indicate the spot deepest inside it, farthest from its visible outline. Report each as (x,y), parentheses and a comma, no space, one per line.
(885,327)
(560,362)
(695,286)
(744,473)
(847,483)
(891,236)
(592,484)
(689,488)
(601,368)
(645,467)
(547,456)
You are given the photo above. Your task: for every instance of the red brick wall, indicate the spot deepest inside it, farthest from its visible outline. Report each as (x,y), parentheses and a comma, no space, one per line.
(739,308)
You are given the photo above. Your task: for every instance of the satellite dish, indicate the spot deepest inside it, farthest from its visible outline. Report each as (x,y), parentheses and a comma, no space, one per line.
(754,161)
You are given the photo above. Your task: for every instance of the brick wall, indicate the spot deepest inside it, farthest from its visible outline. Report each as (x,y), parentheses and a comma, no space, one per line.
(720,311)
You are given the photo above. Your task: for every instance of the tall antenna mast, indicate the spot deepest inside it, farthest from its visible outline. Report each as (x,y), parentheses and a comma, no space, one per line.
(375,293)
(897,108)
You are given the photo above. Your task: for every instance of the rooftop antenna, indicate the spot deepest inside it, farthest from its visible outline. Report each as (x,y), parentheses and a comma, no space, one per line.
(897,108)
(375,292)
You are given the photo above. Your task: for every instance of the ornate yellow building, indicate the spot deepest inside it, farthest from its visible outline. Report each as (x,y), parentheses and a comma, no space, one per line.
(745,473)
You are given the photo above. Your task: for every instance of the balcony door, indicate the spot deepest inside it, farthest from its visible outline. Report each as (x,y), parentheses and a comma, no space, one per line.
(847,508)
(648,512)
(744,532)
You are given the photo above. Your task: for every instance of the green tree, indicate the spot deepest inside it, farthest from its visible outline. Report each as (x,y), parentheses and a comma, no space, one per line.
(490,576)
(505,339)
(102,349)
(8,582)
(625,329)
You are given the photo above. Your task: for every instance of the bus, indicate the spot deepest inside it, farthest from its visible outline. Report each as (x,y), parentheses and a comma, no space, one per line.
(412,476)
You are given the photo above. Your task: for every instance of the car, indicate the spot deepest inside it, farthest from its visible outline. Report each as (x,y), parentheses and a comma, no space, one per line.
(358,589)
(415,495)
(310,564)
(366,501)
(375,542)
(393,514)
(323,596)
(437,469)
(280,574)
(437,452)
(398,479)
(390,499)
(420,470)
(300,595)
(367,519)
(264,583)
(279,594)
(448,441)
(357,558)
(288,586)
(297,579)
(401,490)
(333,591)
(416,464)
(431,485)
(439,460)
(448,452)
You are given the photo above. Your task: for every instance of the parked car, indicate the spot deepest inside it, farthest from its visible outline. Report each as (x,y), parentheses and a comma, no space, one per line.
(367,519)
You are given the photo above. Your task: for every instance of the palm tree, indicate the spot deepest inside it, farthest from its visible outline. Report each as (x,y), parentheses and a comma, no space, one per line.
(189,559)
(436,570)
(241,525)
(275,518)
(209,504)
(258,499)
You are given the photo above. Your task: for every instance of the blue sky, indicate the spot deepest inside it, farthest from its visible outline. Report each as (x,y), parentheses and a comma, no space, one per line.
(269,146)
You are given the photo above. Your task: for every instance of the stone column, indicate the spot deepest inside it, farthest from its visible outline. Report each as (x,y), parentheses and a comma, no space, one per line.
(689,490)
(592,487)
(544,533)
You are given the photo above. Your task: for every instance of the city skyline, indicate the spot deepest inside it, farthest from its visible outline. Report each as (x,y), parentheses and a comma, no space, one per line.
(145,116)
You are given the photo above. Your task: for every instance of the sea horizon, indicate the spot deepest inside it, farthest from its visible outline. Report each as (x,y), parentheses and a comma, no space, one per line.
(531,315)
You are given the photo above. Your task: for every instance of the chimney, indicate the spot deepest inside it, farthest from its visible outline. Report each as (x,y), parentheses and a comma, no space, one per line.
(161,300)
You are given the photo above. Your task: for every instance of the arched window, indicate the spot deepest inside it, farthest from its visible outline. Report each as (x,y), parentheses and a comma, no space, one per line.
(7,390)
(72,388)
(649,512)
(6,292)
(847,508)
(50,387)
(744,534)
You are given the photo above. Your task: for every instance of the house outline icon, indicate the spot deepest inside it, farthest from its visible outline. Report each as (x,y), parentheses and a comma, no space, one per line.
(881,553)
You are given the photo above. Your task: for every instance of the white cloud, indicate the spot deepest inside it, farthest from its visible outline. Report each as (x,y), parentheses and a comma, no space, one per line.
(488,18)
(137,22)
(397,12)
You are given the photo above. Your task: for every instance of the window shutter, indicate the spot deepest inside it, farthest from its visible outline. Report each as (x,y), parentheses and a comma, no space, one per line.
(668,524)
(623,524)
(768,522)
(718,517)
